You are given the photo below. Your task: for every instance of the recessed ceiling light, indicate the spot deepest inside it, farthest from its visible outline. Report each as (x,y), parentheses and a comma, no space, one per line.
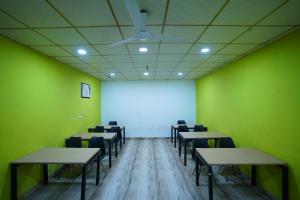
(143,39)
(81,51)
(179,73)
(143,49)
(146,73)
(205,50)
(112,74)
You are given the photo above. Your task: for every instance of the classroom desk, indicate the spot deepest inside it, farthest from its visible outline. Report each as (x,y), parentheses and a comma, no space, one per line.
(174,131)
(108,127)
(109,137)
(81,156)
(238,156)
(188,136)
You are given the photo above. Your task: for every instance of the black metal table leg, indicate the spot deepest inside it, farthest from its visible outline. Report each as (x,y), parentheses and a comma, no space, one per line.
(215,142)
(98,170)
(13,182)
(253,175)
(109,154)
(179,146)
(197,170)
(116,148)
(210,183)
(285,181)
(83,181)
(175,137)
(171,133)
(124,134)
(45,174)
(185,144)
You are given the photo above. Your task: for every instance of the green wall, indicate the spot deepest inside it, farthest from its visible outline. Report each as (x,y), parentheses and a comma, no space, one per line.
(256,100)
(40,104)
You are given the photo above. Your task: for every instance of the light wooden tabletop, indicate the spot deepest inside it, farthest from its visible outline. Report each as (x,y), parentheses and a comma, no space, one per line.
(88,136)
(58,156)
(238,156)
(109,126)
(188,125)
(201,135)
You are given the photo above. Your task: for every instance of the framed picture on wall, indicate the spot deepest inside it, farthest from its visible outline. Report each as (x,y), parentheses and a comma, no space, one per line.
(85,90)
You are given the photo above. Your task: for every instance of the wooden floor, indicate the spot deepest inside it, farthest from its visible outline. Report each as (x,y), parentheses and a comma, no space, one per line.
(145,169)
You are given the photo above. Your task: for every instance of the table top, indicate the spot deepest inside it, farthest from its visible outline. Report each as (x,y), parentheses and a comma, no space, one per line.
(201,135)
(88,136)
(58,156)
(237,156)
(188,125)
(109,126)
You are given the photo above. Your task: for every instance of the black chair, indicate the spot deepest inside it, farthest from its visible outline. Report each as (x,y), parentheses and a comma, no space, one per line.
(198,143)
(91,130)
(99,129)
(112,123)
(200,128)
(117,129)
(181,122)
(98,142)
(183,128)
(74,142)
(226,143)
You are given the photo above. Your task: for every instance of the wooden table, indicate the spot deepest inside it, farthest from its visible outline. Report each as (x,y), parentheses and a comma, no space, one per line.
(188,136)
(238,156)
(174,131)
(108,127)
(109,137)
(80,156)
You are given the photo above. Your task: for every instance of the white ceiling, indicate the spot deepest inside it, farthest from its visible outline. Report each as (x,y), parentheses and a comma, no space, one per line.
(230,28)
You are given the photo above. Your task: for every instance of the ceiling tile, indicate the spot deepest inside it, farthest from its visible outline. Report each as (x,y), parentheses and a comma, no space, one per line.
(129,31)
(239,12)
(80,65)
(34,13)
(237,48)
(63,36)
(211,64)
(74,48)
(92,12)
(167,64)
(155,10)
(134,48)
(144,64)
(123,65)
(196,57)
(69,59)
(101,65)
(51,50)
(212,35)
(109,50)
(221,58)
(261,34)
(288,14)
(174,48)
(118,58)
(25,36)
(169,58)
(8,22)
(93,59)
(101,35)
(213,48)
(142,58)
(187,65)
(188,33)
(193,12)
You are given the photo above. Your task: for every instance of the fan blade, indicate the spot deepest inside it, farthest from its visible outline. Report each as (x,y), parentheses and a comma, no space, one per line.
(135,15)
(123,41)
(169,38)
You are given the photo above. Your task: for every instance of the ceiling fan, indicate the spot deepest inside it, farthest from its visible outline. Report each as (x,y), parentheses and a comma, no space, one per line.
(142,32)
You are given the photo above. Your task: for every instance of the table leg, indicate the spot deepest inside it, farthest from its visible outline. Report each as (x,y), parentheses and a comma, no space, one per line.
(116,148)
(210,184)
(13,182)
(124,134)
(45,173)
(109,153)
(215,142)
(185,144)
(83,182)
(98,170)
(175,137)
(197,170)
(253,175)
(179,146)
(285,181)
(171,133)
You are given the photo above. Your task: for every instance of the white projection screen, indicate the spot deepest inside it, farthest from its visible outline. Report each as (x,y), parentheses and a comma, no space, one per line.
(148,108)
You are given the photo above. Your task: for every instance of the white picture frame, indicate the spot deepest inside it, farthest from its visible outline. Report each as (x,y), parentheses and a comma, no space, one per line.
(85,90)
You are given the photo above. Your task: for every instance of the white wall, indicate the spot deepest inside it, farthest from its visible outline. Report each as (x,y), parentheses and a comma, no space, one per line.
(148,108)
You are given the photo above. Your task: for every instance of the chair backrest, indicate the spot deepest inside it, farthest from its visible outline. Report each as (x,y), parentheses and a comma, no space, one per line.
(91,130)
(74,142)
(200,128)
(112,123)
(183,128)
(99,129)
(226,143)
(199,143)
(98,142)
(181,122)
(116,129)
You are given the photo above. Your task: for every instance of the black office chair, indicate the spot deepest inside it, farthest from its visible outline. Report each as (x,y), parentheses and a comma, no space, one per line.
(112,123)
(226,143)
(117,129)
(200,128)
(73,142)
(91,130)
(99,129)
(183,128)
(181,122)
(198,143)
(98,142)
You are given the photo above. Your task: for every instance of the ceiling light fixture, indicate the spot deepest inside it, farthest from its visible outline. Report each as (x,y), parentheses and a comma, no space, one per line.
(205,50)
(143,49)
(112,74)
(146,73)
(81,51)
(179,73)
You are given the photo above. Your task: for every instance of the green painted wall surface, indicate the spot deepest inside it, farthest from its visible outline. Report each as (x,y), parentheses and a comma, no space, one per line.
(40,104)
(256,100)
